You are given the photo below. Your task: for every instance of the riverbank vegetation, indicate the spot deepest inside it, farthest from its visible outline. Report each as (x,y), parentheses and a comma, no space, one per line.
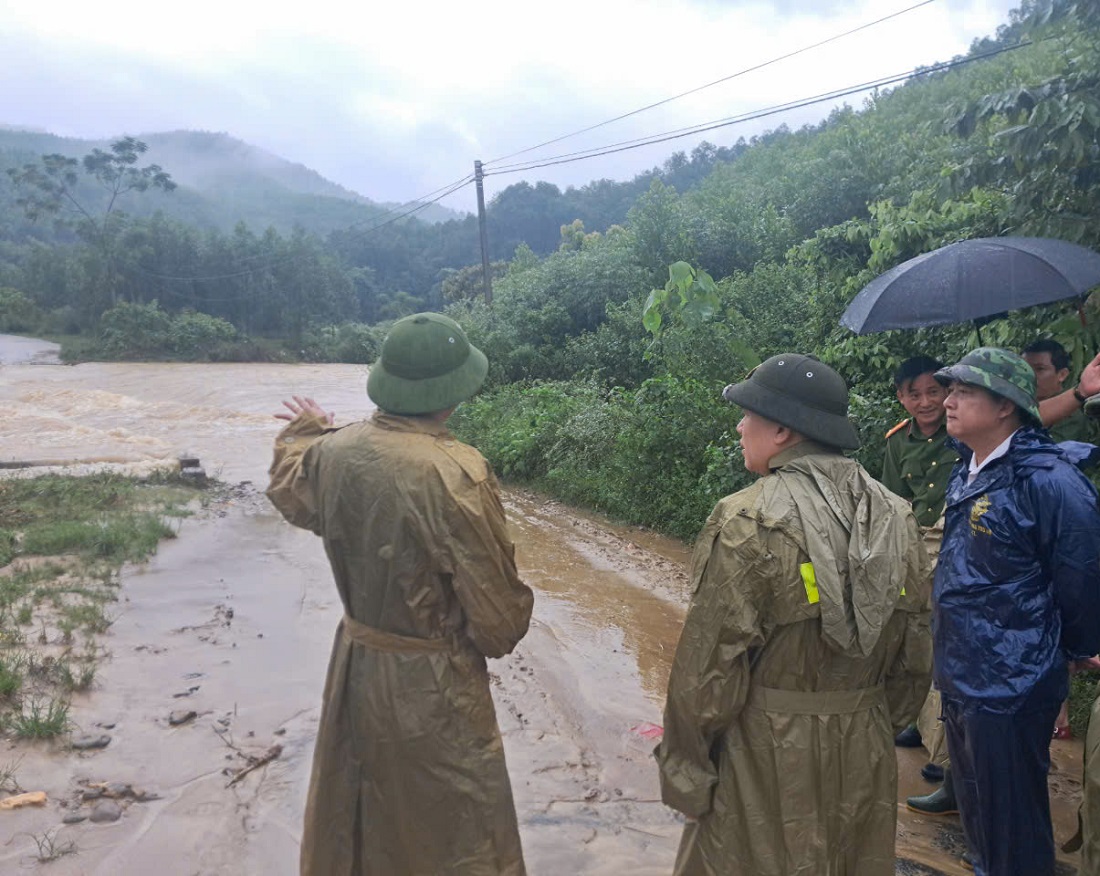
(63,541)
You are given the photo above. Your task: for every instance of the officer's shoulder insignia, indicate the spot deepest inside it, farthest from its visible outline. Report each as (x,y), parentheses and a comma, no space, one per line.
(898,427)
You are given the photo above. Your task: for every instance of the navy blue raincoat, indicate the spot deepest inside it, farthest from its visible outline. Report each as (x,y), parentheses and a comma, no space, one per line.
(1017,589)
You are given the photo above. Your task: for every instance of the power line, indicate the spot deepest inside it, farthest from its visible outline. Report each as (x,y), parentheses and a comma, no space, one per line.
(752,69)
(445,191)
(703,127)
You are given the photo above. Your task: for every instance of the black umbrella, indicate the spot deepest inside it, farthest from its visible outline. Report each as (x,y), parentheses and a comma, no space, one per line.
(972,281)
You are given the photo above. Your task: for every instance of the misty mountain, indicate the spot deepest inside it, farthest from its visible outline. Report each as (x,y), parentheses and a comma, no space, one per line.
(222,181)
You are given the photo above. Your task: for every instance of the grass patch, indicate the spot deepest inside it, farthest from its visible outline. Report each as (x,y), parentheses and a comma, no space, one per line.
(8,781)
(11,676)
(40,718)
(77,680)
(89,616)
(128,538)
(63,540)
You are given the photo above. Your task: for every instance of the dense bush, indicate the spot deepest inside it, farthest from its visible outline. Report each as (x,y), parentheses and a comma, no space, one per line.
(659,456)
(17,312)
(353,343)
(145,331)
(133,331)
(194,335)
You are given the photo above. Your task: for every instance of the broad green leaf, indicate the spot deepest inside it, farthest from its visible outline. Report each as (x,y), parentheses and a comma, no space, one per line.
(680,273)
(651,320)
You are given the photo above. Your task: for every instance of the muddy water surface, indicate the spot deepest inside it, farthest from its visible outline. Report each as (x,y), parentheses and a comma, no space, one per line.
(234,621)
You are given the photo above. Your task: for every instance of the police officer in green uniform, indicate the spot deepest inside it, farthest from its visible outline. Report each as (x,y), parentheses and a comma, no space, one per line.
(917,466)
(918,463)
(1050,362)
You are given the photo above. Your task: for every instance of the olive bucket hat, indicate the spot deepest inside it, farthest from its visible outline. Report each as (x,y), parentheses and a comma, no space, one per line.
(427,365)
(1002,372)
(801,393)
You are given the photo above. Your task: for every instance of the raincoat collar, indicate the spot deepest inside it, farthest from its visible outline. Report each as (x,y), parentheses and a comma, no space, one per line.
(804,447)
(974,468)
(399,423)
(1030,449)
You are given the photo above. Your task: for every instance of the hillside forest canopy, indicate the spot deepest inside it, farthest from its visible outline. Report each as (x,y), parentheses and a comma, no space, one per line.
(592,396)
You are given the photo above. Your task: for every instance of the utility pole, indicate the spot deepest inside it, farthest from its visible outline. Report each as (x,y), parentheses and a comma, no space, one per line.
(486,282)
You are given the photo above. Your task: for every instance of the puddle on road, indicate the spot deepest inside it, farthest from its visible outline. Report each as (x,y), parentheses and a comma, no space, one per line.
(603,600)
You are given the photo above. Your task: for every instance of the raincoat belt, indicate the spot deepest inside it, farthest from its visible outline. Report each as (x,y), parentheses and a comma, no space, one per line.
(817,702)
(392,643)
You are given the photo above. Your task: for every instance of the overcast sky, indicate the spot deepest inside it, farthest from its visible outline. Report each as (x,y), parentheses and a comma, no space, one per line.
(397,99)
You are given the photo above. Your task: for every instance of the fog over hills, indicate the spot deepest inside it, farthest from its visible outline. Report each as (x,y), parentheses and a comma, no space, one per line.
(223,180)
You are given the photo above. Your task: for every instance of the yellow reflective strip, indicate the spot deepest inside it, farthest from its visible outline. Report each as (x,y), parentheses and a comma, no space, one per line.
(809,581)
(902,589)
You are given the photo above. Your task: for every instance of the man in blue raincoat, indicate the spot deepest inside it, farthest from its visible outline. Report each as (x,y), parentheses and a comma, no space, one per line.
(1016,597)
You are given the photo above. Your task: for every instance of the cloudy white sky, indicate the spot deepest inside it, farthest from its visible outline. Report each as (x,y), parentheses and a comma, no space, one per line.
(397,99)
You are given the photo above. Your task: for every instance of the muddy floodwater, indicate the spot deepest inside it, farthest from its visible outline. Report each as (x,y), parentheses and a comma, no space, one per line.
(234,620)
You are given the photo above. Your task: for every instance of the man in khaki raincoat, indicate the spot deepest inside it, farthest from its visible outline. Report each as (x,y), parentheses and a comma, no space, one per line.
(409,777)
(805,649)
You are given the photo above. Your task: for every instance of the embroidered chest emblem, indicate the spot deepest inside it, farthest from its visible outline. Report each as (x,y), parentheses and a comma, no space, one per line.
(977,511)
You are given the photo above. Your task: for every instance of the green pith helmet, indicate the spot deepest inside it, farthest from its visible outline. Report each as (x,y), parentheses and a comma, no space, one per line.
(427,365)
(801,393)
(1002,372)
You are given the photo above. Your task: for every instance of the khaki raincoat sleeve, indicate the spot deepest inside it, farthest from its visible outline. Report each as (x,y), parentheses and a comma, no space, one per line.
(482,563)
(290,490)
(712,667)
(909,675)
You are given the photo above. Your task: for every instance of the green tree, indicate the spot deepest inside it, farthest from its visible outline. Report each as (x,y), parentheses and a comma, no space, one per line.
(1046,129)
(51,187)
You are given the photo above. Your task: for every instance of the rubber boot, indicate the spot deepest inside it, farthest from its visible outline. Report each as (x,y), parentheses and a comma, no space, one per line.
(939,802)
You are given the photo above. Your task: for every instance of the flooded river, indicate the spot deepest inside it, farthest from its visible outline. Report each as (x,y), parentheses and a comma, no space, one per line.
(234,619)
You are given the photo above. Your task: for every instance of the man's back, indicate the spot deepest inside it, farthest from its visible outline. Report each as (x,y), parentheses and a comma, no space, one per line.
(775,671)
(415,532)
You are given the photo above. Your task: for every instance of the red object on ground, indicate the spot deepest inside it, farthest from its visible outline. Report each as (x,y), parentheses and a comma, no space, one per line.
(1063,732)
(647,730)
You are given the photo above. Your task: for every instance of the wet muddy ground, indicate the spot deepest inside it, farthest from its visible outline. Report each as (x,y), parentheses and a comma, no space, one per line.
(233,621)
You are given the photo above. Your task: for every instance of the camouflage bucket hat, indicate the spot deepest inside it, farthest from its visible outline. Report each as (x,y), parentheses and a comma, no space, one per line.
(801,393)
(427,365)
(1002,372)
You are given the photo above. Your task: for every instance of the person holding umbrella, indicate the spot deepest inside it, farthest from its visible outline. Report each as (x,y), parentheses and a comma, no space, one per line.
(1016,597)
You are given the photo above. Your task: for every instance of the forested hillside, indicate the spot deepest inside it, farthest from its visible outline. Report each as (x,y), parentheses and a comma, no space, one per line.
(583,399)
(590,405)
(195,244)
